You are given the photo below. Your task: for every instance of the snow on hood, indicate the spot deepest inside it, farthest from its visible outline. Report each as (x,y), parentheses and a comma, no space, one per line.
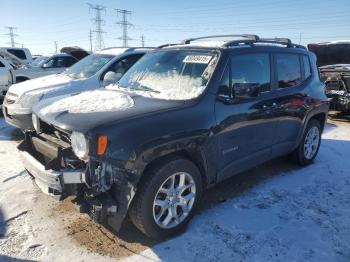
(90,101)
(41,82)
(172,86)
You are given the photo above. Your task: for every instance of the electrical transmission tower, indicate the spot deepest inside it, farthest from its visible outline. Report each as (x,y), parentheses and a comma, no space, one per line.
(142,41)
(12,35)
(56,46)
(125,24)
(98,22)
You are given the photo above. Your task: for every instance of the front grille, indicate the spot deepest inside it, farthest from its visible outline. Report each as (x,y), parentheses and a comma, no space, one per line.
(51,130)
(10,98)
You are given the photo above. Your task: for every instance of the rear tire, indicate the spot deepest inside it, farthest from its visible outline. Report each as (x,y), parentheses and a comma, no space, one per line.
(167,198)
(308,148)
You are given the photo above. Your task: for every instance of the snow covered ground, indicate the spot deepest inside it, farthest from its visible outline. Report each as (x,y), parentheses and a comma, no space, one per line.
(275,212)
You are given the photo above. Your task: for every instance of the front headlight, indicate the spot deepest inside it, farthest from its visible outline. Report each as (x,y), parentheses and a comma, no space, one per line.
(80,145)
(29,100)
(36,123)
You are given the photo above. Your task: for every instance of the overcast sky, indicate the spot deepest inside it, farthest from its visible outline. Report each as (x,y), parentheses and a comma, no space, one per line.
(41,22)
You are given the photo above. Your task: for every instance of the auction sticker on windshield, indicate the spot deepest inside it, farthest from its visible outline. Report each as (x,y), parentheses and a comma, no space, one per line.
(197,59)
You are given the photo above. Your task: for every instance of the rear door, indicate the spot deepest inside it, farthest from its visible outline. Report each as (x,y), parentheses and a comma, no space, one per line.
(293,74)
(246,127)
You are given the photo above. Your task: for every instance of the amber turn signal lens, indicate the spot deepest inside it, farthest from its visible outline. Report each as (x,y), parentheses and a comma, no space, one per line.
(101,145)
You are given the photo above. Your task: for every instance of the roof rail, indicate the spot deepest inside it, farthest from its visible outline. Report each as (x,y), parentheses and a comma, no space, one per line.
(246,36)
(281,41)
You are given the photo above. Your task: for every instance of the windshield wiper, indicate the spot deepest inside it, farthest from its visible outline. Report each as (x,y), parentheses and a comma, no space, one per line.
(145,88)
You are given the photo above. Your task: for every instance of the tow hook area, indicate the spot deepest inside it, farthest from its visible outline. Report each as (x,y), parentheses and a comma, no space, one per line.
(103,209)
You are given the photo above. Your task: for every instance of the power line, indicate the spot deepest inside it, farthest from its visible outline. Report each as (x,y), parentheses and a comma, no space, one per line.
(12,35)
(99,22)
(125,25)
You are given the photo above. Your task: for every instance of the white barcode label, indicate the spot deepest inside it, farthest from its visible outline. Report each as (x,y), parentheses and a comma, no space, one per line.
(197,59)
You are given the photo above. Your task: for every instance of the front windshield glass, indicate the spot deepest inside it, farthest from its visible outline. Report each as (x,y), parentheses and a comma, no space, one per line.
(39,61)
(171,74)
(88,66)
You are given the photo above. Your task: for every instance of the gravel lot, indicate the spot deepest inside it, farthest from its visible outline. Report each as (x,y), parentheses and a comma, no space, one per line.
(274,212)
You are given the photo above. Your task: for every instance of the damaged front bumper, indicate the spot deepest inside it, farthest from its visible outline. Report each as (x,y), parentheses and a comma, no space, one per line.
(49,181)
(102,191)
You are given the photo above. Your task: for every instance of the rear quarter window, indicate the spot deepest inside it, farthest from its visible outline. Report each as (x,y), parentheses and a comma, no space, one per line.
(307,68)
(288,70)
(19,53)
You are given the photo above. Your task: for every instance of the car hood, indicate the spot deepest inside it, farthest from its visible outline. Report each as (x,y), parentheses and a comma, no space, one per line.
(87,110)
(336,66)
(39,83)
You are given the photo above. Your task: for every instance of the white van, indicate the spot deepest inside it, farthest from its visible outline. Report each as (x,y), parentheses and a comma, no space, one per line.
(22,53)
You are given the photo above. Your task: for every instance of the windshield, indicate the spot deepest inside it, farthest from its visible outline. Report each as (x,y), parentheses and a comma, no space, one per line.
(172,74)
(88,66)
(39,61)
(331,54)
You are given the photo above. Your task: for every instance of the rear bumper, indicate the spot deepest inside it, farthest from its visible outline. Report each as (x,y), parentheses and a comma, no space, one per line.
(51,182)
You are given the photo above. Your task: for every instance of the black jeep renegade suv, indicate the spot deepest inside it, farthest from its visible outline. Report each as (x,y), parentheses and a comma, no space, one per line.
(182,119)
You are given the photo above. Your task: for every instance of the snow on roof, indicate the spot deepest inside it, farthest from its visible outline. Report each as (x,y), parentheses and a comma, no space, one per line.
(112,51)
(90,101)
(340,42)
(201,44)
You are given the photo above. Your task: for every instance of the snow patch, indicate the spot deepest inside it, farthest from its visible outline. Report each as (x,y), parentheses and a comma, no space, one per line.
(91,101)
(41,82)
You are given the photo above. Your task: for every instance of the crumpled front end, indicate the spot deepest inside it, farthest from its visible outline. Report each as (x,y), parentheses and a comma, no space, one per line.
(102,190)
(337,87)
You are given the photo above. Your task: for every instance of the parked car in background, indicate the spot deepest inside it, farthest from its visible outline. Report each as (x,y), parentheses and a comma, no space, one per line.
(22,53)
(50,65)
(334,65)
(47,66)
(7,78)
(182,119)
(94,71)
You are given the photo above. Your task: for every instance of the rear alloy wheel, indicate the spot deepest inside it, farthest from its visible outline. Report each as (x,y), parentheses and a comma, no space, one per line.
(166,198)
(308,148)
(311,142)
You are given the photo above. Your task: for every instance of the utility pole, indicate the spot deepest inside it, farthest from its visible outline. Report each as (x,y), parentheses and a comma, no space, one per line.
(56,46)
(125,25)
(12,35)
(98,22)
(90,38)
(142,41)
(300,38)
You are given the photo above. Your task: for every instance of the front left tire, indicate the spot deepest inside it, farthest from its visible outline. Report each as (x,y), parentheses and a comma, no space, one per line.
(167,198)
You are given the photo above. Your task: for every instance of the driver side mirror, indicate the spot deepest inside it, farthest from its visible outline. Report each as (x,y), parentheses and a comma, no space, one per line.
(226,94)
(111,78)
(45,66)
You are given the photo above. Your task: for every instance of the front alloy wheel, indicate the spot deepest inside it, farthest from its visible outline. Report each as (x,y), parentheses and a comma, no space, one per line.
(167,197)
(174,200)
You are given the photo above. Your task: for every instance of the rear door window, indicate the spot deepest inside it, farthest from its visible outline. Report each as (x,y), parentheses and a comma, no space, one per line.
(1,64)
(288,70)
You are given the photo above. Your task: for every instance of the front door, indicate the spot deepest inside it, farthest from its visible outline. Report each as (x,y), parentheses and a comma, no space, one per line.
(246,127)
